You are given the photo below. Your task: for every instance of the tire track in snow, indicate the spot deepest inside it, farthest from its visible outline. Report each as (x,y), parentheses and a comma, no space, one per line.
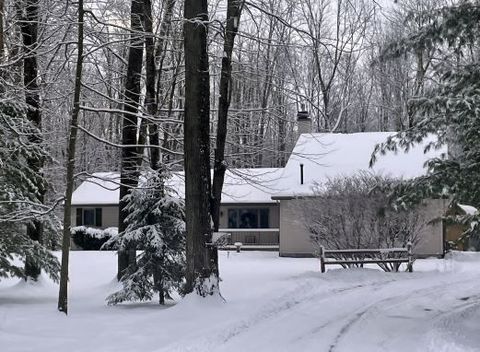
(345,328)
(287,304)
(314,290)
(292,300)
(310,291)
(447,335)
(399,299)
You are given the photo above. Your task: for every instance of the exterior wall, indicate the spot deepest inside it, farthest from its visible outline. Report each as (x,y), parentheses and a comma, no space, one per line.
(109,214)
(431,237)
(295,239)
(246,236)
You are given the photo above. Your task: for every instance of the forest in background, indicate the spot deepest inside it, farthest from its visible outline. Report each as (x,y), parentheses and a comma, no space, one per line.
(123,86)
(318,56)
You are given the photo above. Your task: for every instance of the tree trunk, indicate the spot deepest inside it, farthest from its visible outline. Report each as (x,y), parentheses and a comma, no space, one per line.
(129,170)
(233,19)
(151,95)
(29,30)
(202,269)
(161,49)
(158,283)
(2,38)
(63,292)
(160,55)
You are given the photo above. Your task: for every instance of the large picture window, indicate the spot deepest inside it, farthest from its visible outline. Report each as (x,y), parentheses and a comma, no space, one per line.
(89,217)
(248,218)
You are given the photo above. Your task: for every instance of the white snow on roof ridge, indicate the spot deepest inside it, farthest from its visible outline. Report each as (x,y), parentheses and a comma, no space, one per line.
(323,156)
(243,185)
(329,155)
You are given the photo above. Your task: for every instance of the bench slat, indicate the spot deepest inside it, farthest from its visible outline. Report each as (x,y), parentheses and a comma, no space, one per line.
(358,256)
(354,251)
(367,261)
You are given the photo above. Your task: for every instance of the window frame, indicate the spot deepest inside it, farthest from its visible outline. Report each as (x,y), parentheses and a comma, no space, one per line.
(262,216)
(97,216)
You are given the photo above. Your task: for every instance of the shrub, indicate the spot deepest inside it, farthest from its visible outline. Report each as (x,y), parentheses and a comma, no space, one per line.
(92,239)
(355,213)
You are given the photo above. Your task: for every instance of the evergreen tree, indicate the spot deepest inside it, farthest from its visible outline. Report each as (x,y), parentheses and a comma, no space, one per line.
(156,224)
(20,198)
(449,109)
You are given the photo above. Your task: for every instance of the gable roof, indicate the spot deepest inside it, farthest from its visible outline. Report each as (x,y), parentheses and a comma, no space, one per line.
(329,155)
(240,186)
(101,188)
(323,156)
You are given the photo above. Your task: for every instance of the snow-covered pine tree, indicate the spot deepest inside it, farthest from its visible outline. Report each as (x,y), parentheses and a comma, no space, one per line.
(156,225)
(20,203)
(448,109)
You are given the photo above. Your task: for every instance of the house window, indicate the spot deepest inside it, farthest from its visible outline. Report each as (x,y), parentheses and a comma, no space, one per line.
(89,217)
(248,218)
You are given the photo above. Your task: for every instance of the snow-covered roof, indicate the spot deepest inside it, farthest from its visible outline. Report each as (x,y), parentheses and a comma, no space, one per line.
(101,188)
(323,156)
(240,186)
(329,155)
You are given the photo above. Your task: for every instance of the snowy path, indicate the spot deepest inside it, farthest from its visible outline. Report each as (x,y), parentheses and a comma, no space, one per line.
(273,304)
(374,316)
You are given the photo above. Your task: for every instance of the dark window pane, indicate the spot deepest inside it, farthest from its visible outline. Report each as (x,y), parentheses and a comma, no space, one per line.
(79,217)
(98,217)
(264,218)
(232,219)
(248,218)
(89,217)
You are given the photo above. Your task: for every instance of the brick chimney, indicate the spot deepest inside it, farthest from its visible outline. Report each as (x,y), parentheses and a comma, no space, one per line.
(304,123)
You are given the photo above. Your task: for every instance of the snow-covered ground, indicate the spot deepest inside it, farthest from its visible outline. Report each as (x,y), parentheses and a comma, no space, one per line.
(272,304)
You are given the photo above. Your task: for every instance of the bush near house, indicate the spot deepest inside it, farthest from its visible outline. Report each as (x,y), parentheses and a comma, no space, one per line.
(92,239)
(355,213)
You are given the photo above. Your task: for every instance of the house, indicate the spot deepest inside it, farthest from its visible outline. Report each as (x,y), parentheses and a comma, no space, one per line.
(318,157)
(258,204)
(248,211)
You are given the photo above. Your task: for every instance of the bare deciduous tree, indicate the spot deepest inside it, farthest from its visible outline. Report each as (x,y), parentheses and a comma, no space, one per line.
(354,213)
(67,218)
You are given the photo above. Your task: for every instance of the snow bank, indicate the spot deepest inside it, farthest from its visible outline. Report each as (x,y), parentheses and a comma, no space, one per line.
(271,304)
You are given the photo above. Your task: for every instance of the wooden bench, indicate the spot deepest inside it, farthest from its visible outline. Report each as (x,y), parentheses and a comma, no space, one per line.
(366,256)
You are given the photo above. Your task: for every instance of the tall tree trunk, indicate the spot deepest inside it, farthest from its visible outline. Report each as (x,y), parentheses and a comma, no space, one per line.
(418,85)
(161,48)
(266,89)
(2,37)
(151,95)
(67,212)
(234,9)
(151,108)
(29,30)
(282,131)
(160,55)
(202,261)
(129,170)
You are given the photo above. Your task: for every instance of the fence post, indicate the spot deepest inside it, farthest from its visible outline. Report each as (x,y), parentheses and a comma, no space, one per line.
(322,259)
(410,259)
